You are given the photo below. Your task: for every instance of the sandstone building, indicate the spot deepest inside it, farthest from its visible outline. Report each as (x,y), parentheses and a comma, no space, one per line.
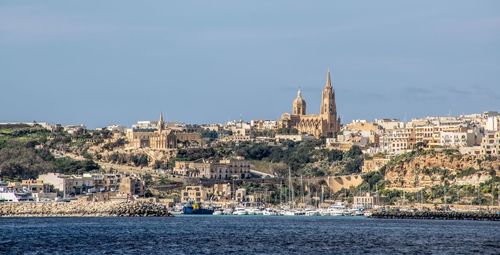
(326,123)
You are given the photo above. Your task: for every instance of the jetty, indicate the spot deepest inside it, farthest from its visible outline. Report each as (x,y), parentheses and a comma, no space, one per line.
(437,215)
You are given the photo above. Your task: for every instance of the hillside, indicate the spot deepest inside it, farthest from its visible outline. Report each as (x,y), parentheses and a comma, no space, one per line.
(25,152)
(429,168)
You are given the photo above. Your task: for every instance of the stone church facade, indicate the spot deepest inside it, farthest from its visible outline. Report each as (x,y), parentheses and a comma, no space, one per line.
(161,139)
(324,124)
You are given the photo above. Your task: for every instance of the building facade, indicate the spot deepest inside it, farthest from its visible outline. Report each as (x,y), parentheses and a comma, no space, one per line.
(491,144)
(219,170)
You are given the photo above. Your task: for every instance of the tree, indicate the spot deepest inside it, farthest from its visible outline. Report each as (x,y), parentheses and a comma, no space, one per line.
(335,155)
(354,152)
(148,193)
(373,179)
(210,134)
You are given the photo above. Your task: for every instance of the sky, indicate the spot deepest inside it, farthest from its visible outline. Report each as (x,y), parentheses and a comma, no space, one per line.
(116,62)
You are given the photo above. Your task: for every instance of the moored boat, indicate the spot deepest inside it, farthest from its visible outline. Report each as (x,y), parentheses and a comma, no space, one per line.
(195,208)
(240,211)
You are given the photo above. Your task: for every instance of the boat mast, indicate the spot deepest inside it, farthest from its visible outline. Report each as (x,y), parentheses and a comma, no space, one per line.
(302,188)
(290,186)
(322,194)
(281,191)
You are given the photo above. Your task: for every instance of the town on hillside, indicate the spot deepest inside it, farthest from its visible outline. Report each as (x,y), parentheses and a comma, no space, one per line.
(298,164)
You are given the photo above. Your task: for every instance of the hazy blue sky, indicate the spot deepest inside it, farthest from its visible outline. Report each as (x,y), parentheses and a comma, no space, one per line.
(104,62)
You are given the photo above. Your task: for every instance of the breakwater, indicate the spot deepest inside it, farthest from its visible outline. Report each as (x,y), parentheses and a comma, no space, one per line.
(438,215)
(83,209)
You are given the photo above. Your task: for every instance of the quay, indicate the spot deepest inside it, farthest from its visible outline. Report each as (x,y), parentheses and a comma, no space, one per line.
(437,215)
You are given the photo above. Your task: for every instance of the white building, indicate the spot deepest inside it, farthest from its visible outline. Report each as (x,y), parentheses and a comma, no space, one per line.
(145,125)
(493,123)
(295,138)
(456,139)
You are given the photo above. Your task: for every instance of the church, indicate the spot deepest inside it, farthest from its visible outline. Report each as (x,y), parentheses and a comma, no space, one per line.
(161,139)
(324,124)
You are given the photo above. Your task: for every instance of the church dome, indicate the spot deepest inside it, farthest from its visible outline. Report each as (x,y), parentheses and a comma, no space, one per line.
(299,100)
(299,104)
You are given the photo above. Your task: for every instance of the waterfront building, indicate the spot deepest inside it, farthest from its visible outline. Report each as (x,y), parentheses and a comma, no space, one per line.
(35,186)
(61,183)
(66,185)
(240,195)
(131,186)
(222,191)
(368,201)
(326,123)
(194,193)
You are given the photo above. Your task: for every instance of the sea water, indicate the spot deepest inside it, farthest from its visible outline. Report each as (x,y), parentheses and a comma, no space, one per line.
(246,235)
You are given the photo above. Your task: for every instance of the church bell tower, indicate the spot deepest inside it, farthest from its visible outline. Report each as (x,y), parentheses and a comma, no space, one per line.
(328,109)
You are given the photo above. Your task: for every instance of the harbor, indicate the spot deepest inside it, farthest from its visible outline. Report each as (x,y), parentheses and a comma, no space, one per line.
(338,210)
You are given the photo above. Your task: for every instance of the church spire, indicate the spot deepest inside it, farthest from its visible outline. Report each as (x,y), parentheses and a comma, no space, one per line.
(328,79)
(161,122)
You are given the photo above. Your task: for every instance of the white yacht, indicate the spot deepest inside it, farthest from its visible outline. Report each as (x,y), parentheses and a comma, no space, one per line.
(312,213)
(240,211)
(228,211)
(269,212)
(337,210)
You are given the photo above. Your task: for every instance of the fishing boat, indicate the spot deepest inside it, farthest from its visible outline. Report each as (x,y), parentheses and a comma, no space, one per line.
(195,208)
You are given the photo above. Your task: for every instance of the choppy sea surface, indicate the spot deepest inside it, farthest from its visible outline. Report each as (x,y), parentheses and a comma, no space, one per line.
(246,235)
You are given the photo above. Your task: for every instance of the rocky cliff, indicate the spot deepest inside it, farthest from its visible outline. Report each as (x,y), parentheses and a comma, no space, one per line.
(427,168)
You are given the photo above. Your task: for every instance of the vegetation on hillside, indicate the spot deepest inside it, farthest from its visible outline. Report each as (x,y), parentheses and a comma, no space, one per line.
(25,153)
(307,158)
